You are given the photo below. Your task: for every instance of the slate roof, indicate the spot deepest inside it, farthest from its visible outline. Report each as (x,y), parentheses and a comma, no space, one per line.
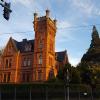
(60,56)
(21,45)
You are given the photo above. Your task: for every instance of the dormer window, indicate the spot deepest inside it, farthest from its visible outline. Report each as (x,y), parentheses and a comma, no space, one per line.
(29,62)
(28,47)
(25,62)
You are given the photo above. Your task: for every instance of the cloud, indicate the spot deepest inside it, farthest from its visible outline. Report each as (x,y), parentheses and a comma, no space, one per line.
(37,5)
(86,6)
(62,33)
(63,24)
(63,37)
(26,3)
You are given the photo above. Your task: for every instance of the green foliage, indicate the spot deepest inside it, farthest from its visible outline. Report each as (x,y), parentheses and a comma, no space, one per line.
(74,75)
(53,79)
(89,74)
(85,73)
(62,72)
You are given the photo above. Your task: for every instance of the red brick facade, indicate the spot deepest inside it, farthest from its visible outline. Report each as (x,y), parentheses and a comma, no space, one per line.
(32,60)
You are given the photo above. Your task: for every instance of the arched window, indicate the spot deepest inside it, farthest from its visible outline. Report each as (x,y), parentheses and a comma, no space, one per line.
(40,59)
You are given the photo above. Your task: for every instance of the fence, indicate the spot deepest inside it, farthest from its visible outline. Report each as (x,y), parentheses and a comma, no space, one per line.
(48,91)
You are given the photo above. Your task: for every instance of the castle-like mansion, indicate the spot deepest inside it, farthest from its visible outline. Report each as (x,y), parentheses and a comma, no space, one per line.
(32,60)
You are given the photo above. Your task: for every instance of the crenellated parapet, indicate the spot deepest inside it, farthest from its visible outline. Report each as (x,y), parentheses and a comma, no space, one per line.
(45,22)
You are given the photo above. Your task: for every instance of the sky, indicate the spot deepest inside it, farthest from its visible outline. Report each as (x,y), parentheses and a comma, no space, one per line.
(74,23)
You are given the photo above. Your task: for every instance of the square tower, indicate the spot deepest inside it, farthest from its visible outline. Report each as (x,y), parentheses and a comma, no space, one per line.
(44,47)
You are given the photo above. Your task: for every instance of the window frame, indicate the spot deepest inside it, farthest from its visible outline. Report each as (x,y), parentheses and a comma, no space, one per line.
(40,60)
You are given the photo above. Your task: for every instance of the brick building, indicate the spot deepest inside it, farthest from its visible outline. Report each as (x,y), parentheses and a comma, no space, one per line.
(32,60)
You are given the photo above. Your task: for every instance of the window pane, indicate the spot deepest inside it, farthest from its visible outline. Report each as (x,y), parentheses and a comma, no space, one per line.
(8,78)
(29,62)
(40,59)
(40,75)
(4,79)
(25,62)
(23,77)
(10,62)
(27,77)
(6,63)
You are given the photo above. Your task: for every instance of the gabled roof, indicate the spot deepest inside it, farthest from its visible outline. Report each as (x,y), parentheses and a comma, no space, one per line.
(21,45)
(10,41)
(60,56)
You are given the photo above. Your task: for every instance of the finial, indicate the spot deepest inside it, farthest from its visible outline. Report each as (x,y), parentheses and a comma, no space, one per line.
(55,21)
(47,13)
(35,15)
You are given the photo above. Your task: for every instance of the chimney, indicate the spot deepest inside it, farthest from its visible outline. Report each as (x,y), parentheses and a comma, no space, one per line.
(24,40)
(55,22)
(47,13)
(35,16)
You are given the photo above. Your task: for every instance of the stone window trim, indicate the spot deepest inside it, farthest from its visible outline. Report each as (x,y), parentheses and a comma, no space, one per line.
(8,62)
(6,77)
(28,47)
(40,59)
(40,75)
(25,76)
(40,44)
(27,62)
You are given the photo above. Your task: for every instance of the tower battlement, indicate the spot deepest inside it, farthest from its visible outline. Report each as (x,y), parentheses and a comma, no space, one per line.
(44,20)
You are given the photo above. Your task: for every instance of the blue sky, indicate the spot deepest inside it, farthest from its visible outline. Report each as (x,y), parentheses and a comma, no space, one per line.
(69,14)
